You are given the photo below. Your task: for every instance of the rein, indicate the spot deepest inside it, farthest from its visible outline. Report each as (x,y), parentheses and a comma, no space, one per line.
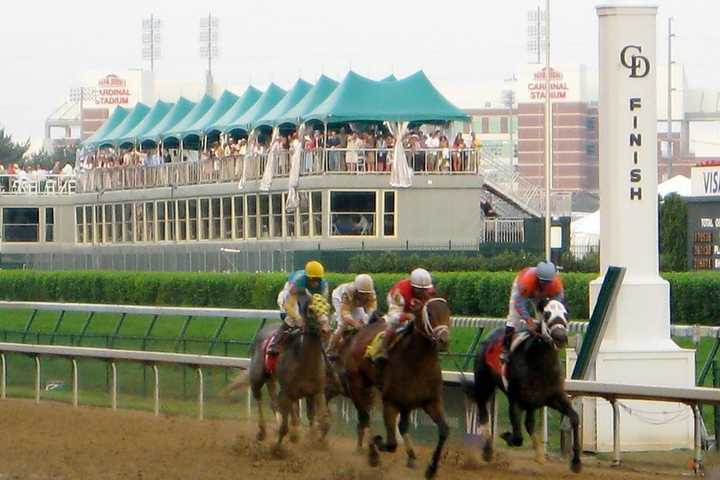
(426,329)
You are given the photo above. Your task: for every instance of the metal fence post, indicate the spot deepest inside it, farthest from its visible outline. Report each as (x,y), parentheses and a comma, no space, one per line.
(156,391)
(75,385)
(114,394)
(716,409)
(3,377)
(698,454)
(201,394)
(37,379)
(616,433)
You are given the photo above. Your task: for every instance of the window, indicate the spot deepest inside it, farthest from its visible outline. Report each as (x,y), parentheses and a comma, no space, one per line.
(161,221)
(227,231)
(21,224)
(108,224)
(98,223)
(79,225)
(277,209)
(204,232)
(317,214)
(289,219)
(494,125)
(590,148)
(88,224)
(49,224)
(139,222)
(128,220)
(252,216)
(304,213)
(192,220)
(590,123)
(264,204)
(504,125)
(170,221)
(352,213)
(149,221)
(239,217)
(215,215)
(182,220)
(389,214)
(485,125)
(118,221)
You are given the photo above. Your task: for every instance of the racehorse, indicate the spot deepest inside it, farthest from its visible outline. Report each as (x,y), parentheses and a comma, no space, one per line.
(412,379)
(300,373)
(534,379)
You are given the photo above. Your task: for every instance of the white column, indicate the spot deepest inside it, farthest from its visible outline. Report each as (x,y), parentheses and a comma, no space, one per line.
(637,347)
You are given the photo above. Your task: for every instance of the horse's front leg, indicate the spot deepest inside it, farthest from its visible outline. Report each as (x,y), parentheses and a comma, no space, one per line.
(562,404)
(435,411)
(537,442)
(295,422)
(320,413)
(390,414)
(515,438)
(404,427)
(285,407)
(257,395)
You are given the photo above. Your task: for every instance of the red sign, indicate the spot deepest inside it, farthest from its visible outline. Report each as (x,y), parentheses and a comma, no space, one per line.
(112,90)
(558,87)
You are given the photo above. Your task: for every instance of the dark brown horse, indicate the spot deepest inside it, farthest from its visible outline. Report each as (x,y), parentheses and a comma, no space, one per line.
(300,373)
(535,380)
(412,379)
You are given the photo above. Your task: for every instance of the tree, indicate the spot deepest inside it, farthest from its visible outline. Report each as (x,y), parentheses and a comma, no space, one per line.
(11,151)
(673,233)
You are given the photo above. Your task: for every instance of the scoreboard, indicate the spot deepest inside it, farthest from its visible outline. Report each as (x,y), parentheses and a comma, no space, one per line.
(704,233)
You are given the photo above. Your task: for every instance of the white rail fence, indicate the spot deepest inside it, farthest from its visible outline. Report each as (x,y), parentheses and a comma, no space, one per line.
(692,397)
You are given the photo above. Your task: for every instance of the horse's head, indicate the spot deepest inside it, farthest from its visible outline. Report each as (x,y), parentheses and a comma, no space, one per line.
(316,307)
(434,322)
(554,325)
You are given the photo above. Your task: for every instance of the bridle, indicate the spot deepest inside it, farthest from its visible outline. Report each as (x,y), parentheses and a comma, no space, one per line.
(434,334)
(556,320)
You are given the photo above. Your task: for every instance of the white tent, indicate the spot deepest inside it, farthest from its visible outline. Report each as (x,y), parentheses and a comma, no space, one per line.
(585,233)
(679,184)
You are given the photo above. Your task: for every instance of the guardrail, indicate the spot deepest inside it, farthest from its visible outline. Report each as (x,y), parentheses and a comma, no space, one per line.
(692,397)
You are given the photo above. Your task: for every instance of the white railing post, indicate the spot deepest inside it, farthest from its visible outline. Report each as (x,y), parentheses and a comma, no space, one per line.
(37,379)
(3,377)
(698,453)
(75,382)
(156,390)
(201,394)
(616,432)
(114,387)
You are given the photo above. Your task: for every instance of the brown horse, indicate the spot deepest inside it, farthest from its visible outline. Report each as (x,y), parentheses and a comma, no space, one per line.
(300,373)
(412,379)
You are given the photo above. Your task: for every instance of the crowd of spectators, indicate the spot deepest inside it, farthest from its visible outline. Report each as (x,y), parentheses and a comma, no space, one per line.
(14,175)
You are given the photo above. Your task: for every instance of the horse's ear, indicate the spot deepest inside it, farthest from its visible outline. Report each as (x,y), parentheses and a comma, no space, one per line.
(445,296)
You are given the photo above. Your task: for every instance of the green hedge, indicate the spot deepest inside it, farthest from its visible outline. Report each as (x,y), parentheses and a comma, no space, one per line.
(693,295)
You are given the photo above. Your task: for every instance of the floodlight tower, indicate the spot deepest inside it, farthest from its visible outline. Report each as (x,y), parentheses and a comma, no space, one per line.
(151,40)
(79,95)
(209,46)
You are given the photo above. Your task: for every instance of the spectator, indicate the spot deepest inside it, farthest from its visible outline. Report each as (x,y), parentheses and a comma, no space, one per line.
(458,147)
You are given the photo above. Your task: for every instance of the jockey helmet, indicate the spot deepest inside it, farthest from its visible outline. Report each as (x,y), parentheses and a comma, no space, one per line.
(364,283)
(546,271)
(420,278)
(314,269)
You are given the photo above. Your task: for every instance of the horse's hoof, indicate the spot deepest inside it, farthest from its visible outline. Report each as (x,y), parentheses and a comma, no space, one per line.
(431,471)
(261,435)
(411,462)
(373,455)
(488,454)
(294,438)
(576,465)
(511,441)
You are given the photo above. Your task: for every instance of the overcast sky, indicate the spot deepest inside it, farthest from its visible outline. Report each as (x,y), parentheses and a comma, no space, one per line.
(46,46)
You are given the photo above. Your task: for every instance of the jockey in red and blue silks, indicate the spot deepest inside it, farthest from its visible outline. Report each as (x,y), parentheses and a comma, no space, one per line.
(300,283)
(532,285)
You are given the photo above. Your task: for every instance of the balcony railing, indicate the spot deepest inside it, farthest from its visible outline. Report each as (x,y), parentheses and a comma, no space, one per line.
(312,162)
(38,185)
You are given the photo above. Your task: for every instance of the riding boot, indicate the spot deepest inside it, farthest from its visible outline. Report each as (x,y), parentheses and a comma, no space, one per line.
(279,338)
(507,342)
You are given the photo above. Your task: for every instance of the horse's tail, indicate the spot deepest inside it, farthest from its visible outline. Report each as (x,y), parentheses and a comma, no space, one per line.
(467,386)
(240,383)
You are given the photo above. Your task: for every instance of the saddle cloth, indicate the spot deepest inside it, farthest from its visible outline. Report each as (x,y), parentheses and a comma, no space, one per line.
(270,360)
(492,354)
(373,347)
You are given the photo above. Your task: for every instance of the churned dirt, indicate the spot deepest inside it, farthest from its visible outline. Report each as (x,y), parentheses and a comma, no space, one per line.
(56,441)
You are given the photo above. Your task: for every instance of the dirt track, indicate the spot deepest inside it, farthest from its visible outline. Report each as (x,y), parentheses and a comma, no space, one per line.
(55,441)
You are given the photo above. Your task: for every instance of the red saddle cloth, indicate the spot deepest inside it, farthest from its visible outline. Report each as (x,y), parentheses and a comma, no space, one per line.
(492,356)
(270,360)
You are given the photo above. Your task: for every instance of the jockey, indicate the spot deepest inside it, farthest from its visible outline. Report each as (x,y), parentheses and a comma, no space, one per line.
(355,303)
(405,300)
(533,284)
(302,283)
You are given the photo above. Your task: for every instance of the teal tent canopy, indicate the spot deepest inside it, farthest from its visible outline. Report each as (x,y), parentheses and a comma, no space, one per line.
(190,119)
(265,103)
(221,105)
(118,115)
(132,119)
(322,89)
(293,97)
(412,99)
(241,105)
(154,116)
(389,78)
(181,108)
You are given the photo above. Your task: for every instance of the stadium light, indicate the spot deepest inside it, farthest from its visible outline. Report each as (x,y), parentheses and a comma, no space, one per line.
(151,40)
